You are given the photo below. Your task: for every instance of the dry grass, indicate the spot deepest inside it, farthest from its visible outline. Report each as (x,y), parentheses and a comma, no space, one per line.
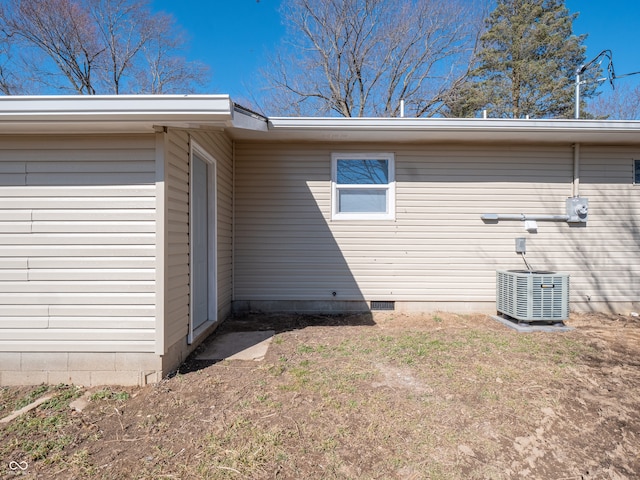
(409,397)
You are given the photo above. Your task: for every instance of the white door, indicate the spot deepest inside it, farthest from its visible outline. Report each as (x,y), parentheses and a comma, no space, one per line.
(202,234)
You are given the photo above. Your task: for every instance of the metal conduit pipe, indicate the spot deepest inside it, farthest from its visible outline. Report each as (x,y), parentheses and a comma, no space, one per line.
(576,207)
(523,217)
(575,190)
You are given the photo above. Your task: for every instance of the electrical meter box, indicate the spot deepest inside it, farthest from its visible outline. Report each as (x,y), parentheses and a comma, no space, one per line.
(577,209)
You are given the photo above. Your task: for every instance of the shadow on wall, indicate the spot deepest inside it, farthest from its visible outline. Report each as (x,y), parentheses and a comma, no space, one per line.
(605,279)
(601,256)
(286,257)
(290,272)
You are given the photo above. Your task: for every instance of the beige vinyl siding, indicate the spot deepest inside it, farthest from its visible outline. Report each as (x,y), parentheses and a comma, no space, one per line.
(221,148)
(438,249)
(284,248)
(176,321)
(178,269)
(609,249)
(77,250)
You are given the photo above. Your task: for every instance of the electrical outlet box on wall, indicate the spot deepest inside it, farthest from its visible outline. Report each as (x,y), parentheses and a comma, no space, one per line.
(577,209)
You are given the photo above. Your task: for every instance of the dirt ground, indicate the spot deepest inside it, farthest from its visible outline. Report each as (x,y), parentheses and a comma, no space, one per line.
(383,396)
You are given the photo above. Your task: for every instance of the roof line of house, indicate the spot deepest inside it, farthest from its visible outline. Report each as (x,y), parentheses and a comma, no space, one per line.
(145,113)
(107,113)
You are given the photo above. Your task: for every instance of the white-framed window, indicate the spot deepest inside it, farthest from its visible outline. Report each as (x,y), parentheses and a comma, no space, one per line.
(636,172)
(363,186)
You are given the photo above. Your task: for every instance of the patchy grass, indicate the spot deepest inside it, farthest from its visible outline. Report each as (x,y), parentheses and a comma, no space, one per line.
(31,396)
(109,394)
(42,434)
(435,397)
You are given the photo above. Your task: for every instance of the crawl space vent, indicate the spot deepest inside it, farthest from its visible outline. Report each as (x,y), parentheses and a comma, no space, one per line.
(376,305)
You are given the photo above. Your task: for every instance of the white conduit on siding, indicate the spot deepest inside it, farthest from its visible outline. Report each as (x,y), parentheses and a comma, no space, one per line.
(523,217)
(575,191)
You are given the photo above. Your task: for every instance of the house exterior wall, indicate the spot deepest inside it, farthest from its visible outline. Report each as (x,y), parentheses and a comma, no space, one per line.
(94,240)
(176,315)
(94,255)
(177,292)
(437,253)
(609,270)
(221,148)
(77,259)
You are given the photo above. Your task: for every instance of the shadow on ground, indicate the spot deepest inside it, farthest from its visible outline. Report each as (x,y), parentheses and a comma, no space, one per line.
(284,322)
(276,322)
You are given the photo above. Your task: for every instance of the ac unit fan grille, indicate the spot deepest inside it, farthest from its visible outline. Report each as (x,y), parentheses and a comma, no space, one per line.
(532,296)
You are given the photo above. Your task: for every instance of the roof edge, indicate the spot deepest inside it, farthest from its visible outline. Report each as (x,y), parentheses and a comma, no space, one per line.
(431,124)
(112,112)
(457,130)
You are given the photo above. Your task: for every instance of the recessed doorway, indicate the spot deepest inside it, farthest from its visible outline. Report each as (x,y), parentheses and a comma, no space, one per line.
(202,234)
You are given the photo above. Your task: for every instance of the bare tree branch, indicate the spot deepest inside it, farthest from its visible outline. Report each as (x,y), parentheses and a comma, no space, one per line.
(361,57)
(96,46)
(165,71)
(124,28)
(62,30)
(623,103)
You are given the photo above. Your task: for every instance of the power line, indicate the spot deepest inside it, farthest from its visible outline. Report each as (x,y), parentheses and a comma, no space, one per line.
(611,75)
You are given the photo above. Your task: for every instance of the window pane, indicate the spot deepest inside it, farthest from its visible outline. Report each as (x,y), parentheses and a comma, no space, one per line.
(363,172)
(637,171)
(362,200)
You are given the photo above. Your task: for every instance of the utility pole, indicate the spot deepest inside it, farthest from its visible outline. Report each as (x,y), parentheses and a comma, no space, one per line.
(580,70)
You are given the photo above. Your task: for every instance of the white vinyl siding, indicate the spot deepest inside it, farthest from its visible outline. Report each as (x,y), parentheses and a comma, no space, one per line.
(77,250)
(438,249)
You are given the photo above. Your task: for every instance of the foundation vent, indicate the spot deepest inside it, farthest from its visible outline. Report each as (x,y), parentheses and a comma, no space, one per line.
(377,305)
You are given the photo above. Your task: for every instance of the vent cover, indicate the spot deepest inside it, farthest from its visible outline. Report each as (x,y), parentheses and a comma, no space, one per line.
(532,296)
(377,305)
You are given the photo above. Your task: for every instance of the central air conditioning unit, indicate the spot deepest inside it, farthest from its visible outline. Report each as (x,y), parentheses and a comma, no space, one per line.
(532,296)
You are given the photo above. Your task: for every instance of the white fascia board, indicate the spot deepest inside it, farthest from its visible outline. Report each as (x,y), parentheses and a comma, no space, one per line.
(111,113)
(455,129)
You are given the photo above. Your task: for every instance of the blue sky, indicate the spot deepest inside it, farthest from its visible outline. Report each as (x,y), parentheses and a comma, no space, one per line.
(234,36)
(231,36)
(613,25)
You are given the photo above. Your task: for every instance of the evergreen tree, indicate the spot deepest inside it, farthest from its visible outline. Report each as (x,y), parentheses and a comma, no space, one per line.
(526,63)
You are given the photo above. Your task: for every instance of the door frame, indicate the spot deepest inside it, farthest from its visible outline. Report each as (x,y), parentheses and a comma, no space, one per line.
(195,150)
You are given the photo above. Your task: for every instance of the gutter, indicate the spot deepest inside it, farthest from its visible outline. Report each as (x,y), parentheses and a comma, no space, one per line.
(458,130)
(111,113)
(448,124)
